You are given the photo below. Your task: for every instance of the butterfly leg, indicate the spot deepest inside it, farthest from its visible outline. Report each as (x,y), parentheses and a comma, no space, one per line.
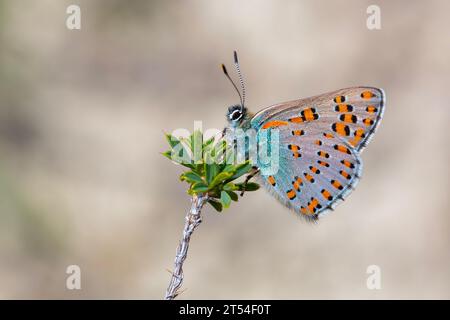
(254,172)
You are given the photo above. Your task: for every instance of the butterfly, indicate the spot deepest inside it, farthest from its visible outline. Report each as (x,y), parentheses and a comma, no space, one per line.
(320,142)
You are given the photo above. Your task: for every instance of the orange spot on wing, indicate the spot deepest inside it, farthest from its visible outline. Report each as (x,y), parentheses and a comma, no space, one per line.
(275,123)
(341,129)
(293,147)
(371,109)
(296,120)
(271,180)
(348,117)
(326,194)
(355,141)
(344,174)
(314,170)
(309,177)
(308,115)
(297,183)
(343,108)
(367,95)
(348,164)
(323,154)
(323,163)
(341,148)
(298,132)
(336,184)
(313,204)
(359,134)
(339,99)
(291,194)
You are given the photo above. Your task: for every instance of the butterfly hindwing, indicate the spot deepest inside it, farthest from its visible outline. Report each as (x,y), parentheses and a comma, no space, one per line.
(316,170)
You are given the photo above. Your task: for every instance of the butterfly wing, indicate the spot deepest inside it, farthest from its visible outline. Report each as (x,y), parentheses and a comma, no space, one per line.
(316,170)
(352,113)
(319,162)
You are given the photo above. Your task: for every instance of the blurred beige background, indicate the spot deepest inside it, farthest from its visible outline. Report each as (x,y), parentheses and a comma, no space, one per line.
(82,115)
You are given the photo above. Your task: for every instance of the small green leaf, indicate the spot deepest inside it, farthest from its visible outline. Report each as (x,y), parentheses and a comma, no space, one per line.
(188,165)
(251,186)
(211,170)
(179,153)
(172,140)
(225,199)
(167,154)
(199,169)
(191,177)
(233,195)
(241,170)
(199,187)
(208,142)
(229,168)
(215,204)
(230,186)
(220,178)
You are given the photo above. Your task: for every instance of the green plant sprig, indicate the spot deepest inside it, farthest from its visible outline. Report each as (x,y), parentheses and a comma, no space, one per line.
(209,173)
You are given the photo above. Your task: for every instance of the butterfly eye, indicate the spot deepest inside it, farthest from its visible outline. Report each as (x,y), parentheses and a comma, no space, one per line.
(236,115)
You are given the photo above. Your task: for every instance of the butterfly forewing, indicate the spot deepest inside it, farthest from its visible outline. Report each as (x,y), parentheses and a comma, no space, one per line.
(353,114)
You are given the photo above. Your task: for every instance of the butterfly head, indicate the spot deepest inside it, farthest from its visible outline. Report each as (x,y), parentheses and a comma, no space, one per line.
(236,114)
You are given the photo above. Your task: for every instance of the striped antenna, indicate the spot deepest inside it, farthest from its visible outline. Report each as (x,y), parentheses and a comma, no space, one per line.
(241,79)
(224,69)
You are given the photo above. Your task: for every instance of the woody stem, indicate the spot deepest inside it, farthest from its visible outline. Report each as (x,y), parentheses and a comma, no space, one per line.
(192,220)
